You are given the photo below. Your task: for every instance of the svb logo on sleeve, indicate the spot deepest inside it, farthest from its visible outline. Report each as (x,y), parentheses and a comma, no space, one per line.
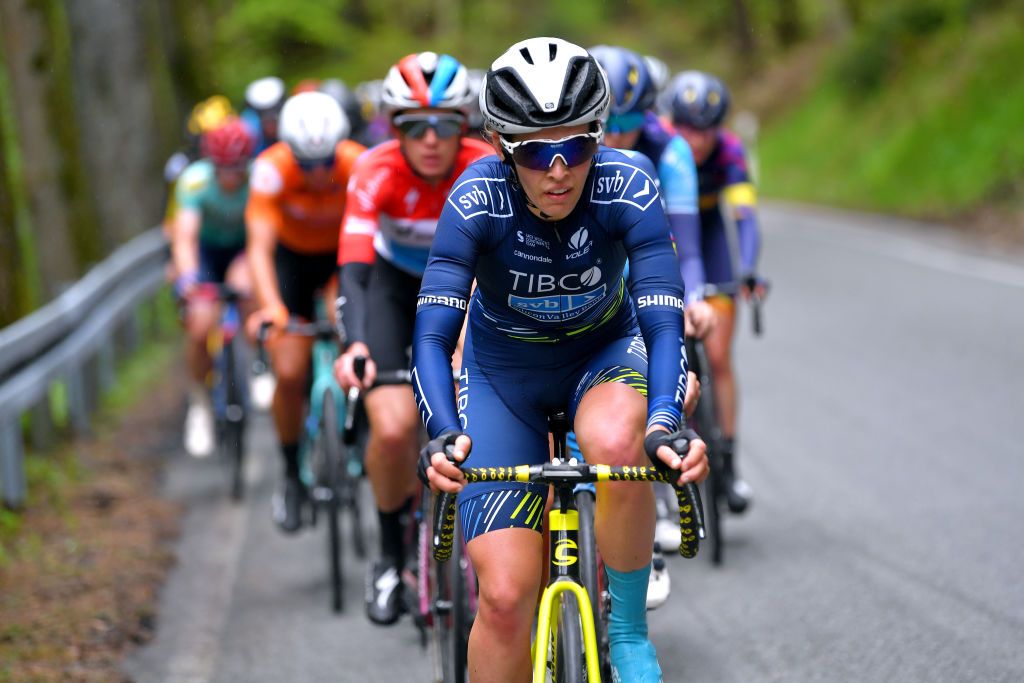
(478,196)
(621,182)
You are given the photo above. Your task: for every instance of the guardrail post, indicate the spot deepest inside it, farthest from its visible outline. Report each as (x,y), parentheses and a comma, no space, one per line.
(12,470)
(78,408)
(105,366)
(129,333)
(91,383)
(42,424)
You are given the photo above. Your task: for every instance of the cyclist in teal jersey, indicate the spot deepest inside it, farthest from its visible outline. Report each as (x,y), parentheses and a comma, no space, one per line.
(208,246)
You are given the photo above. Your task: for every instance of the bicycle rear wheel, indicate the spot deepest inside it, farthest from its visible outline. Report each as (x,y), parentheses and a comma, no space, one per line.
(330,453)
(593,577)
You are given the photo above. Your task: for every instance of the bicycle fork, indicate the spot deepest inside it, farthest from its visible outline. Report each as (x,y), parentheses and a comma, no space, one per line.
(564,525)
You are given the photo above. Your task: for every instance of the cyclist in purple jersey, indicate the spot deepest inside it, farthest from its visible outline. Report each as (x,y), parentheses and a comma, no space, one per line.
(699,103)
(545,229)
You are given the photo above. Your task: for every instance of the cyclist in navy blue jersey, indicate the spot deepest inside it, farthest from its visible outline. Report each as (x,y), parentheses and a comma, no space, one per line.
(545,229)
(631,124)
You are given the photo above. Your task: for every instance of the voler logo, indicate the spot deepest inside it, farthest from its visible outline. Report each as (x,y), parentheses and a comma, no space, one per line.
(580,243)
(591,276)
(579,238)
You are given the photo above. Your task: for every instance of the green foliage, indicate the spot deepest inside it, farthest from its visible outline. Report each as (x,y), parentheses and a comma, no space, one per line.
(941,138)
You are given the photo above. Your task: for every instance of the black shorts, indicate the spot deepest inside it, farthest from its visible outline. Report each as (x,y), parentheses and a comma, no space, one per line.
(215,261)
(300,276)
(391,312)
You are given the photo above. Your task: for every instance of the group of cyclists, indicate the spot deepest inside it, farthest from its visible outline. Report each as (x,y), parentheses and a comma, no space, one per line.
(529,228)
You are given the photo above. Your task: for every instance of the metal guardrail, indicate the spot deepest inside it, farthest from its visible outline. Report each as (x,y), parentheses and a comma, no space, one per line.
(75,339)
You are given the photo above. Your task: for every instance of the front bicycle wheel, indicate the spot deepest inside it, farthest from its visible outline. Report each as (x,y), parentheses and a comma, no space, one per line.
(570,664)
(330,453)
(593,577)
(451,614)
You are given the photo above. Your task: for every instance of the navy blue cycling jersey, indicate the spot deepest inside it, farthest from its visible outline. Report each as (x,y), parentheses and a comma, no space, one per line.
(678,175)
(545,287)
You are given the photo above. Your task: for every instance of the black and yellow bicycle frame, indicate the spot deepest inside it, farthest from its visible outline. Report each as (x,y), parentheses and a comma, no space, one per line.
(563,524)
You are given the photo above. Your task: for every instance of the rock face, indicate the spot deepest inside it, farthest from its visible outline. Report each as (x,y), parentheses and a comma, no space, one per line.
(90,112)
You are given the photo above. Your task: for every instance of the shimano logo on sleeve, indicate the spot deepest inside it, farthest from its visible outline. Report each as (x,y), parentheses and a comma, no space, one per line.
(666,300)
(453,301)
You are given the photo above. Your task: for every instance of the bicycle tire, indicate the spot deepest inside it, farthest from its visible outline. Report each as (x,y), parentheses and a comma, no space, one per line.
(331,454)
(570,664)
(234,420)
(713,490)
(593,577)
(454,628)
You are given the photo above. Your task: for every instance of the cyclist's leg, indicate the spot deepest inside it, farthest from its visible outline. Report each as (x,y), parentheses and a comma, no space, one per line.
(202,316)
(609,420)
(299,277)
(394,431)
(501,522)
(717,261)
(509,574)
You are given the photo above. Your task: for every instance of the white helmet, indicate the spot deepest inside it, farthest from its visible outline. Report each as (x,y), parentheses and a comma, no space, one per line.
(265,94)
(312,123)
(542,83)
(426,79)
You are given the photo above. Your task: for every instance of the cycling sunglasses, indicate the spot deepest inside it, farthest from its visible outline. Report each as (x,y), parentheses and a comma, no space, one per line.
(314,164)
(540,155)
(416,125)
(625,123)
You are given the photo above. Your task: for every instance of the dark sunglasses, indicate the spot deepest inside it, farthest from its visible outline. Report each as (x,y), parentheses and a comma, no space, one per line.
(416,125)
(625,123)
(314,164)
(539,155)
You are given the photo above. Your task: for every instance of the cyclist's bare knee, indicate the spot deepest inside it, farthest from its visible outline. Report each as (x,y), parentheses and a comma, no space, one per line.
(509,579)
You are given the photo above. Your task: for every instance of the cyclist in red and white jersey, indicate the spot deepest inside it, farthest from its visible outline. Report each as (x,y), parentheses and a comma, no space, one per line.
(397,192)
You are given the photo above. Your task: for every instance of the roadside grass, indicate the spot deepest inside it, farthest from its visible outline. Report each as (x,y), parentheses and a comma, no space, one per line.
(942,138)
(82,563)
(50,474)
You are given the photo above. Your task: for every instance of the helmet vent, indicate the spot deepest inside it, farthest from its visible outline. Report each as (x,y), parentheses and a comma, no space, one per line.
(552,51)
(525,52)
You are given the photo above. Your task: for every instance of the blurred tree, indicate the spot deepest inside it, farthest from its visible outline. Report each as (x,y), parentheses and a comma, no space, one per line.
(789,23)
(746,43)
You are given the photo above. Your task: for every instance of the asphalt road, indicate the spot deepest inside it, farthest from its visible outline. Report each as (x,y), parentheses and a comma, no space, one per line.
(880,424)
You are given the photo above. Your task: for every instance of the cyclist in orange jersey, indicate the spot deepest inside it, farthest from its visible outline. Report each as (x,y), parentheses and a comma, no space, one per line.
(296,202)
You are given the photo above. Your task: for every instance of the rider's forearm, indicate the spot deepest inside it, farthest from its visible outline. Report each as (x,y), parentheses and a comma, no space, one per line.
(434,338)
(353,281)
(185,244)
(749,238)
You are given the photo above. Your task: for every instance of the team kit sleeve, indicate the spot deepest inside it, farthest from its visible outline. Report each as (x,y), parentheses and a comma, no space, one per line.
(193,182)
(265,186)
(440,311)
(740,194)
(356,254)
(658,292)
(678,174)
